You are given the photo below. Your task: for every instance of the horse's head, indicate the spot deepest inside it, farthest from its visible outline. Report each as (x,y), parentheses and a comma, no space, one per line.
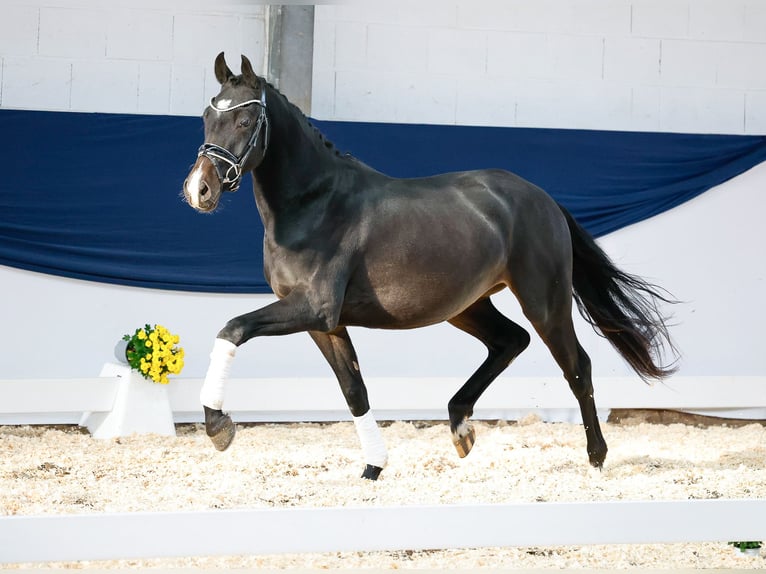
(236,136)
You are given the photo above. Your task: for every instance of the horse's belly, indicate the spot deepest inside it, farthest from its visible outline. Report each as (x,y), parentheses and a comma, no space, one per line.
(414,302)
(427,273)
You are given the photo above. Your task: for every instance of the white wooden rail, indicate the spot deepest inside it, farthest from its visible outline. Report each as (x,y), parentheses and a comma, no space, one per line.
(299,530)
(64,401)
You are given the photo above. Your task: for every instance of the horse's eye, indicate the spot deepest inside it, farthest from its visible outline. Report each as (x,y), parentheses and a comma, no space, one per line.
(245,122)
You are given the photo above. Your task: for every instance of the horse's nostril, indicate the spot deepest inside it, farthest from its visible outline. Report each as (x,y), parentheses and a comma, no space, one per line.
(204,190)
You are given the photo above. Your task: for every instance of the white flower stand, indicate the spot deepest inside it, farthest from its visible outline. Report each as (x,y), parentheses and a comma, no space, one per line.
(140,406)
(747,552)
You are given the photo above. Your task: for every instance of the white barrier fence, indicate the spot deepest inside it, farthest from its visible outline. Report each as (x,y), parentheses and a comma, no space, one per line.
(64,401)
(299,530)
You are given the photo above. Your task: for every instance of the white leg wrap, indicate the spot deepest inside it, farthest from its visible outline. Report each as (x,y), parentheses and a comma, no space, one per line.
(221,358)
(372,441)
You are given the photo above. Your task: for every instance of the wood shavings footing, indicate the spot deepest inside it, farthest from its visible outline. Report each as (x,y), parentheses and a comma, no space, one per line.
(47,470)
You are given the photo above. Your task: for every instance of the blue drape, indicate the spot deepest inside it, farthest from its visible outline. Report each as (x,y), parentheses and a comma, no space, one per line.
(97,196)
(607,179)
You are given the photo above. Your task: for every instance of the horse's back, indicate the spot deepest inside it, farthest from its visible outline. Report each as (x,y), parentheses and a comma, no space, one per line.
(529,221)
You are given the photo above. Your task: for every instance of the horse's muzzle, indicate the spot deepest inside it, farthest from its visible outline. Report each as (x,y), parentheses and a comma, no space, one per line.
(202,188)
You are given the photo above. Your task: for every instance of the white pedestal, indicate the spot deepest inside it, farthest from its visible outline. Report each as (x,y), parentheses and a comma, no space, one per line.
(140,406)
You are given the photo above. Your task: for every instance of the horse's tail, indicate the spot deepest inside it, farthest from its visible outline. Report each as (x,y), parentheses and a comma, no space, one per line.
(623,307)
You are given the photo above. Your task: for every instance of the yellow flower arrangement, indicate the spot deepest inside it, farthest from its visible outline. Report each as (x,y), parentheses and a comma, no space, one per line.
(153,352)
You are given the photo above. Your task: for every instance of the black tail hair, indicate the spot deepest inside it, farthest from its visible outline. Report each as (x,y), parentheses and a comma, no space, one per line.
(622,307)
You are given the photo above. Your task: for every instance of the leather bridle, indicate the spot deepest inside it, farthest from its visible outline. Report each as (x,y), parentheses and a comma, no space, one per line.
(227,165)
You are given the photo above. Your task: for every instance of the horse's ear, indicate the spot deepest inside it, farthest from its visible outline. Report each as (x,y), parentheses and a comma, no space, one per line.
(250,77)
(222,71)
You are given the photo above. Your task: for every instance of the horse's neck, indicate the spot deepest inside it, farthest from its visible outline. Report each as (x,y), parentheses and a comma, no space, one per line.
(298,164)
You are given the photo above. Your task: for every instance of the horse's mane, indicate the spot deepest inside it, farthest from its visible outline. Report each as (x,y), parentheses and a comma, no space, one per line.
(330,146)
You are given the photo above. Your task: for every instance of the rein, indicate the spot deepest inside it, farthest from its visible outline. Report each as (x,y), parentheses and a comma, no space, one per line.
(231,176)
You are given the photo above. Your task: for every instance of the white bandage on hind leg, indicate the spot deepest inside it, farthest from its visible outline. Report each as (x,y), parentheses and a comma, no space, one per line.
(372,441)
(221,358)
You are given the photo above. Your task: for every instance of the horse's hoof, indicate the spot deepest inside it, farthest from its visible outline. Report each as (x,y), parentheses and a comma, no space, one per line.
(597,459)
(371,472)
(222,433)
(223,439)
(463,438)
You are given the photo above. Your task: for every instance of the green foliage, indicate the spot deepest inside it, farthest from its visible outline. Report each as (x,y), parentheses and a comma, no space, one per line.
(746,545)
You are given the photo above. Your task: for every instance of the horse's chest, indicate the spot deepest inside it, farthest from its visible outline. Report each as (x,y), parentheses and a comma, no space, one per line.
(285,270)
(282,285)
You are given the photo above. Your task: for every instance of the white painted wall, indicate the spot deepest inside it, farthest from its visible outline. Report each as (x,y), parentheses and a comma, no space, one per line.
(645,65)
(656,65)
(617,64)
(126,56)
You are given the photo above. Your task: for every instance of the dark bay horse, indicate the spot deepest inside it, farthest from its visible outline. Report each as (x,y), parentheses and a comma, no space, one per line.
(345,245)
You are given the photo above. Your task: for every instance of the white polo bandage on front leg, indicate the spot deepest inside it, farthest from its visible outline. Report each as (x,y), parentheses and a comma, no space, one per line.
(221,358)
(372,441)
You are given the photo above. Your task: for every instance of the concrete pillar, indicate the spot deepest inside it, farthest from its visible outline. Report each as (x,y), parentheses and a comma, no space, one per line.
(290,52)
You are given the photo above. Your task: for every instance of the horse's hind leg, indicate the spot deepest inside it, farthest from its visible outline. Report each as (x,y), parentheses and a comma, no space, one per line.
(340,354)
(574,361)
(551,315)
(504,340)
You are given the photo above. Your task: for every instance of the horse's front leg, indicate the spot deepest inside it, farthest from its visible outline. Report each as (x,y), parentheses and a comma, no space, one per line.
(340,354)
(293,314)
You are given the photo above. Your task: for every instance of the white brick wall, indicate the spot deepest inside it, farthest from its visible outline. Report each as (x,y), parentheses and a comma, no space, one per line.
(18,30)
(660,19)
(37,83)
(755,22)
(755,112)
(134,56)
(121,77)
(656,65)
(140,35)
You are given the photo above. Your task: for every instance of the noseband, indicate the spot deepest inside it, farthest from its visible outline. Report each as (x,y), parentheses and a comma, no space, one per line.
(227,165)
